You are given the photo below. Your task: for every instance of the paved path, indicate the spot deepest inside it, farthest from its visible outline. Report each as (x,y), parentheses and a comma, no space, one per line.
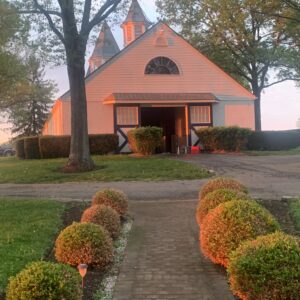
(163,260)
(185,189)
(267,177)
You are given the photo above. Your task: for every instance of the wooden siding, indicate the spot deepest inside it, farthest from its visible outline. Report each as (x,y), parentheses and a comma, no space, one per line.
(125,74)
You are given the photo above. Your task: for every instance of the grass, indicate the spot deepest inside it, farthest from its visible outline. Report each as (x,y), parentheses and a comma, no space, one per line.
(27,231)
(295,151)
(294,208)
(109,168)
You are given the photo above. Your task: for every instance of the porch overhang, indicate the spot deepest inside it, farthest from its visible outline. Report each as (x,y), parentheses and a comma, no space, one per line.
(160,98)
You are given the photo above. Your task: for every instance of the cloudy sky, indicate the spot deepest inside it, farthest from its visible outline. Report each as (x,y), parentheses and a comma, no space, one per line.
(280,103)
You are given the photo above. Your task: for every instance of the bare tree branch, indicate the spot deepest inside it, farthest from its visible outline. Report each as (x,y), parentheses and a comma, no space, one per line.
(281,80)
(50,21)
(107,8)
(86,14)
(36,11)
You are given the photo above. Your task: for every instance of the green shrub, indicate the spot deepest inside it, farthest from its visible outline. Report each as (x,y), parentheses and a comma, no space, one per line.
(59,146)
(45,280)
(224,138)
(213,199)
(274,140)
(232,223)
(19,147)
(103,144)
(222,183)
(267,268)
(145,140)
(114,198)
(31,147)
(84,243)
(55,146)
(105,216)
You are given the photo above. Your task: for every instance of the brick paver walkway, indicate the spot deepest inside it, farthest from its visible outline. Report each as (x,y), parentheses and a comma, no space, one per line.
(162,259)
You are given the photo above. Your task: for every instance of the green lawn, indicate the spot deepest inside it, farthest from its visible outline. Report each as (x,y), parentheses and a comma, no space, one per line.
(295,212)
(27,232)
(109,168)
(295,151)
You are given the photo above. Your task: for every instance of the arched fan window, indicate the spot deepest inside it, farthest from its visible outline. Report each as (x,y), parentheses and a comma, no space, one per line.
(162,65)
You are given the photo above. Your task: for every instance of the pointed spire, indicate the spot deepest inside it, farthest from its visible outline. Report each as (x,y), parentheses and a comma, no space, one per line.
(135,24)
(137,15)
(106,47)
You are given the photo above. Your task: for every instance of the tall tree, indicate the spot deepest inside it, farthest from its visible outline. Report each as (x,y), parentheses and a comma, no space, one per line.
(72,22)
(237,37)
(12,70)
(28,115)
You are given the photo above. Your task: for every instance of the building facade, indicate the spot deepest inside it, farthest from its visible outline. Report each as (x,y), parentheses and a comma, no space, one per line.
(158,79)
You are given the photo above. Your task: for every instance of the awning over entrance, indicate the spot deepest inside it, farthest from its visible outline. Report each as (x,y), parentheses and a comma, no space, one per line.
(160,98)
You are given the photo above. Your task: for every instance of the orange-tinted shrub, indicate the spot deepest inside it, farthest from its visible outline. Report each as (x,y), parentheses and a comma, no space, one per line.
(267,268)
(114,198)
(84,243)
(232,223)
(213,199)
(105,216)
(221,183)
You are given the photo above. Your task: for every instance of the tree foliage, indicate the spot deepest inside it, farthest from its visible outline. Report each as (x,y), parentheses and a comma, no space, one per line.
(12,71)
(28,115)
(71,23)
(237,37)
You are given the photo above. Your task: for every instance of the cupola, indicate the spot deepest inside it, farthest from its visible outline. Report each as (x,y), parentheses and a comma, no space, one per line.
(135,24)
(106,47)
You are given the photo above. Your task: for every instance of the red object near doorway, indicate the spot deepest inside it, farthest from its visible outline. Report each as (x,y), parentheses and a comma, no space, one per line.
(195,150)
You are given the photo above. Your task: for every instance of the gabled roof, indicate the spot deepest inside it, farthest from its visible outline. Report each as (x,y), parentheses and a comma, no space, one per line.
(106,45)
(136,14)
(138,40)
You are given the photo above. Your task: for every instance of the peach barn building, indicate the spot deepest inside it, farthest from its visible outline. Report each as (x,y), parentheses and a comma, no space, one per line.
(158,79)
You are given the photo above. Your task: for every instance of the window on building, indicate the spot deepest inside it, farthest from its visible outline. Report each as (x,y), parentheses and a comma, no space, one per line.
(127,116)
(162,65)
(200,114)
(129,33)
(138,30)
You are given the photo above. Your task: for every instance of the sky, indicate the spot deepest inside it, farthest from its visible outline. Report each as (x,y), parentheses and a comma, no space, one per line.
(280,103)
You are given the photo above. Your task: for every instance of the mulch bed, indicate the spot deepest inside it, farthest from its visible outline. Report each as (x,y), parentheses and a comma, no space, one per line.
(280,210)
(94,277)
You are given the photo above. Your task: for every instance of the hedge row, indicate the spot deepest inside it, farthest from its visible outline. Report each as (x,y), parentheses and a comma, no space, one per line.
(236,139)
(224,138)
(59,146)
(274,140)
(88,242)
(238,233)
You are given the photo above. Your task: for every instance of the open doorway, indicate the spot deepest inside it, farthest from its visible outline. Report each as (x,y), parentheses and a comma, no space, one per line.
(171,120)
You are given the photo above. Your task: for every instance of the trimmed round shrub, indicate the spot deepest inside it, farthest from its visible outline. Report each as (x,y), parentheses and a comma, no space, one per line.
(84,243)
(232,223)
(114,198)
(222,183)
(105,216)
(145,140)
(267,268)
(213,199)
(45,280)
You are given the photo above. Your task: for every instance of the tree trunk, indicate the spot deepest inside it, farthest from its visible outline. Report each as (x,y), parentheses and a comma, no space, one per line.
(257,107)
(80,158)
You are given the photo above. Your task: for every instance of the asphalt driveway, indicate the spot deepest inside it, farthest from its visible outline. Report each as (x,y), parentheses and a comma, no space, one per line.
(268,177)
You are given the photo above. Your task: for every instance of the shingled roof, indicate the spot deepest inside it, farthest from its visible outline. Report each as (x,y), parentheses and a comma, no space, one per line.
(136,14)
(106,45)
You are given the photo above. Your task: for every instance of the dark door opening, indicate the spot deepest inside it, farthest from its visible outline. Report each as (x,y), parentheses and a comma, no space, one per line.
(170,119)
